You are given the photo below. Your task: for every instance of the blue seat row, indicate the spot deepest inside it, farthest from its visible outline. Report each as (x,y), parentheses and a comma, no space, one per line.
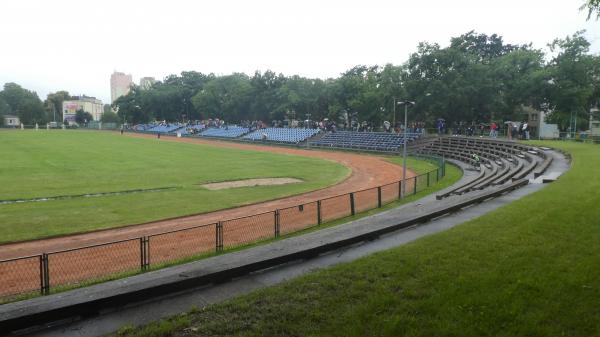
(282,135)
(165,128)
(373,141)
(225,132)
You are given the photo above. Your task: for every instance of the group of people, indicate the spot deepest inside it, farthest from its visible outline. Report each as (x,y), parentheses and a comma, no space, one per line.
(518,130)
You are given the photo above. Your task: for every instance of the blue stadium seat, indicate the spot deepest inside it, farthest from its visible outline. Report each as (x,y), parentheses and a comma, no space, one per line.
(225,132)
(371,141)
(282,135)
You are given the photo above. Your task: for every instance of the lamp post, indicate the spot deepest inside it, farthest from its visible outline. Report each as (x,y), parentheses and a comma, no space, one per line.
(406,104)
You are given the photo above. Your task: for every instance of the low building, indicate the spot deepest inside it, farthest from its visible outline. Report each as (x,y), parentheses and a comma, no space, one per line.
(595,122)
(92,105)
(12,121)
(538,128)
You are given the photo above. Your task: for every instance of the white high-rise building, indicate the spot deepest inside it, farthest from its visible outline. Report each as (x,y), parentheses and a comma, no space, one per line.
(146,82)
(119,85)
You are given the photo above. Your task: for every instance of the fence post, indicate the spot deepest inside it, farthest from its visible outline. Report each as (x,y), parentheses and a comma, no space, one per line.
(415,187)
(443,166)
(427,178)
(276,220)
(147,252)
(44,275)
(379,196)
(351,203)
(318,212)
(143,253)
(219,236)
(400,189)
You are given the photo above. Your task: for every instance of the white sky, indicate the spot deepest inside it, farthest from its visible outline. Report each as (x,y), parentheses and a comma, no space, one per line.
(48,46)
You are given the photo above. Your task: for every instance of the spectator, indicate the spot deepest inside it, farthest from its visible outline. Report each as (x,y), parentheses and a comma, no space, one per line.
(493,130)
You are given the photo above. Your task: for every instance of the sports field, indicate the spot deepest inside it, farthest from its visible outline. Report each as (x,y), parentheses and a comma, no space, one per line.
(46,164)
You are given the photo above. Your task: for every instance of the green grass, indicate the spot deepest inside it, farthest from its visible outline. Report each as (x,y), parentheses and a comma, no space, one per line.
(530,268)
(419,165)
(42,164)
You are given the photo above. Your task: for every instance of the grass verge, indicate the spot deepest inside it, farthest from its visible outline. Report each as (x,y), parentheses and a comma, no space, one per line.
(529,268)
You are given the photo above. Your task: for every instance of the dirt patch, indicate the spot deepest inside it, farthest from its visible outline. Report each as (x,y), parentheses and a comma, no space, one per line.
(250,182)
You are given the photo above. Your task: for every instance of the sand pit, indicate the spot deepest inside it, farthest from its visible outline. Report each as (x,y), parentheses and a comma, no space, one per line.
(250,182)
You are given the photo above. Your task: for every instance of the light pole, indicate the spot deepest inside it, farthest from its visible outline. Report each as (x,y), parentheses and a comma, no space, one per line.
(394,118)
(406,104)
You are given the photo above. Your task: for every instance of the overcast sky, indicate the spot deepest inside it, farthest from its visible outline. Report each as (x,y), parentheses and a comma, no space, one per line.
(75,45)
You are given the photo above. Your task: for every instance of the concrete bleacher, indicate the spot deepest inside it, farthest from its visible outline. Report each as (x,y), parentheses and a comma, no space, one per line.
(370,141)
(500,161)
(281,135)
(225,132)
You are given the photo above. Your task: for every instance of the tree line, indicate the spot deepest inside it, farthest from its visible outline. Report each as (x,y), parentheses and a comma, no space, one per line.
(477,78)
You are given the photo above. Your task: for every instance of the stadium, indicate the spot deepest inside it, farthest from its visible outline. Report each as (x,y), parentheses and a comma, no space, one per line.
(73,242)
(350,168)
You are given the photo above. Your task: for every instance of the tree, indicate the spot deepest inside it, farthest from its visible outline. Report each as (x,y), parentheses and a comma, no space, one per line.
(109,117)
(107,108)
(23,103)
(53,104)
(592,6)
(129,107)
(573,80)
(83,117)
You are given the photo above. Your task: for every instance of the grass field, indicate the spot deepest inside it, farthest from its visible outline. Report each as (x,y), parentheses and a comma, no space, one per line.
(530,268)
(55,163)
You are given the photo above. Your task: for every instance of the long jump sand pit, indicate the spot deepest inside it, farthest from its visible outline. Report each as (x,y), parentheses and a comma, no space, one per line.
(250,183)
(79,265)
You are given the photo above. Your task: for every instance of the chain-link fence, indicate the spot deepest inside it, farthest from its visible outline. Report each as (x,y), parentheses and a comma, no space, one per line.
(39,274)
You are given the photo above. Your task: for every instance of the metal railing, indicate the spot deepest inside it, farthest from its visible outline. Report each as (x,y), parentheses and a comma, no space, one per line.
(39,274)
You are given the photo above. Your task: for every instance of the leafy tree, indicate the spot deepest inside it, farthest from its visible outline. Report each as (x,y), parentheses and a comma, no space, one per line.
(592,6)
(109,117)
(53,104)
(107,108)
(4,107)
(83,117)
(129,107)
(573,80)
(23,103)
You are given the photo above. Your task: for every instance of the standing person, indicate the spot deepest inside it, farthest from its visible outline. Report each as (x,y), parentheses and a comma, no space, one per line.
(493,130)
(525,129)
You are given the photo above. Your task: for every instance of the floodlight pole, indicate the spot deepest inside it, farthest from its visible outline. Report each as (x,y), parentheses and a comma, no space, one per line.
(394,120)
(406,104)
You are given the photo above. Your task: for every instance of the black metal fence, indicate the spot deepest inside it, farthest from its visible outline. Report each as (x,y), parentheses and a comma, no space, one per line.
(38,274)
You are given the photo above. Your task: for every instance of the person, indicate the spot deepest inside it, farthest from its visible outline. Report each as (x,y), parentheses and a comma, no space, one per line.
(476,158)
(493,130)
(525,129)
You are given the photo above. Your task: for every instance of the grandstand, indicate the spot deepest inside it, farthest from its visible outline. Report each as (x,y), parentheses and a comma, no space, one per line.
(371,141)
(226,132)
(500,161)
(282,135)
